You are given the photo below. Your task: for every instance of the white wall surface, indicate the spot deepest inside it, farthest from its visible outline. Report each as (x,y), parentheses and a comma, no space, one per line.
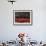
(38,29)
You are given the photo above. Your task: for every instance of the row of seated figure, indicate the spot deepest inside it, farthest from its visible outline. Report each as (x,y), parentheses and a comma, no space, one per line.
(21,42)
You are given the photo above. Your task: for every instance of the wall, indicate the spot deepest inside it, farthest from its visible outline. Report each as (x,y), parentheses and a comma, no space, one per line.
(38,29)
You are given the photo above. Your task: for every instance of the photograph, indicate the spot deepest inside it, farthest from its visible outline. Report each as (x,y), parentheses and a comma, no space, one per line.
(22,16)
(22,22)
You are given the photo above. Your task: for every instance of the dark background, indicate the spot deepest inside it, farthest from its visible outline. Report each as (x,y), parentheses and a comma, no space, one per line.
(22,14)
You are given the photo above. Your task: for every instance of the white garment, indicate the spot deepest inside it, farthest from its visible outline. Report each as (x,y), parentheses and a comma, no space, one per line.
(29,45)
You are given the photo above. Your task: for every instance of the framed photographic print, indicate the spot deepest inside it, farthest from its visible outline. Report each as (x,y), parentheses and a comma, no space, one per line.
(22,16)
